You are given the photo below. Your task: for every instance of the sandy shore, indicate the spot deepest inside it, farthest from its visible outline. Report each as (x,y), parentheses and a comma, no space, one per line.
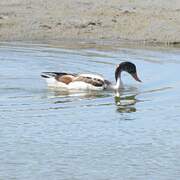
(122,20)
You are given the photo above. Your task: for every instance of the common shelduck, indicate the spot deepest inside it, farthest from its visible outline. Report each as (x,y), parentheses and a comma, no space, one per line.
(70,81)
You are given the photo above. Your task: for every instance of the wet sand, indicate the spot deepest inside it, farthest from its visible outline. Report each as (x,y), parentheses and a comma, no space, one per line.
(132,21)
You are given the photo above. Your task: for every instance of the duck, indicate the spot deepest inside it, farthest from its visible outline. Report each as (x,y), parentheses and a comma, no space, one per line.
(86,81)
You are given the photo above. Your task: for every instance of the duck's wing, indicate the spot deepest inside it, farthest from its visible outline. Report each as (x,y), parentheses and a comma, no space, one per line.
(94,80)
(60,76)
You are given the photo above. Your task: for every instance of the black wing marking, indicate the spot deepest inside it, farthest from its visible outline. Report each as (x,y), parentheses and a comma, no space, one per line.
(93,81)
(55,74)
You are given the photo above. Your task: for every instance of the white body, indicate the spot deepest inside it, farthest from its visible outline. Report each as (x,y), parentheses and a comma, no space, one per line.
(76,85)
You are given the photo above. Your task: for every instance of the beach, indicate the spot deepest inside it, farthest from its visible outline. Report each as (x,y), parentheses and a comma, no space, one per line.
(116,20)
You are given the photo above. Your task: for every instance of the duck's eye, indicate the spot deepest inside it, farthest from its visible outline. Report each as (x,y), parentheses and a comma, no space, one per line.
(131,70)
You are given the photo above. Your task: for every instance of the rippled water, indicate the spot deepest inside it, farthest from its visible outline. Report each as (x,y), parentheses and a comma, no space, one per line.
(47,134)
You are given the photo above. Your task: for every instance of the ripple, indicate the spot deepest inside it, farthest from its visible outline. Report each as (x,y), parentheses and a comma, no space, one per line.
(98,132)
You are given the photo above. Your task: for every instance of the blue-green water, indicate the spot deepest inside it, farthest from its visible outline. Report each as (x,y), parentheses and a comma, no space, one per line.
(47,134)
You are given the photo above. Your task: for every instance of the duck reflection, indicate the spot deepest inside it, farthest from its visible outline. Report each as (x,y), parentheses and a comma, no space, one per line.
(64,96)
(125,104)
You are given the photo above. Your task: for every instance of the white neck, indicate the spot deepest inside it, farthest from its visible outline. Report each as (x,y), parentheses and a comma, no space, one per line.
(118,84)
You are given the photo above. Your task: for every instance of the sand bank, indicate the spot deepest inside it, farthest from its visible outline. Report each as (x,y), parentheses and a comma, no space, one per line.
(122,20)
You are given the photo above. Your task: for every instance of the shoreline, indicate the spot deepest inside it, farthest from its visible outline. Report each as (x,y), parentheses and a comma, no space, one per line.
(106,45)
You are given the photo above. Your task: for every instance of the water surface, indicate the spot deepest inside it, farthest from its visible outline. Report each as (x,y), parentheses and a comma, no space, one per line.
(47,134)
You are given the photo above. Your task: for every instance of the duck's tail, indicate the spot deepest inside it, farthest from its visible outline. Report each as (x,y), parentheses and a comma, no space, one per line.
(50,78)
(49,74)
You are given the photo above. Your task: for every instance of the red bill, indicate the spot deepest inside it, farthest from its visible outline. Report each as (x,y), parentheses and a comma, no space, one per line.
(135,76)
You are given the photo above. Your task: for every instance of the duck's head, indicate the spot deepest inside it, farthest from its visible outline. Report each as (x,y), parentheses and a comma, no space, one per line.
(128,67)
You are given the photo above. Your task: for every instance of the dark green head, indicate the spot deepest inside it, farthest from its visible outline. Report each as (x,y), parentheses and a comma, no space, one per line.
(129,68)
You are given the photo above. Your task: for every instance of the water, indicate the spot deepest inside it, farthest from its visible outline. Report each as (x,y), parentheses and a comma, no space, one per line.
(47,134)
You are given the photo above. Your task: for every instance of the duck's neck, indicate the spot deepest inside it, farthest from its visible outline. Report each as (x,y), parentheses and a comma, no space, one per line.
(118,84)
